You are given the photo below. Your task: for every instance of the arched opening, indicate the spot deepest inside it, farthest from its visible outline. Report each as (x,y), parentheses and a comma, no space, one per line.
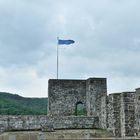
(80,109)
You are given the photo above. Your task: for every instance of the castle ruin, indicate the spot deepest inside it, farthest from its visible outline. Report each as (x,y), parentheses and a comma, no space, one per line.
(118,113)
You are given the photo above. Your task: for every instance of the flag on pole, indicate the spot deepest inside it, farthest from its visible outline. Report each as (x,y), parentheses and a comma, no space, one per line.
(65,42)
(62,42)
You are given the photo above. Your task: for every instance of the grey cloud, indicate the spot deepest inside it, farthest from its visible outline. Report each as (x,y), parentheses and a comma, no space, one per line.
(106,35)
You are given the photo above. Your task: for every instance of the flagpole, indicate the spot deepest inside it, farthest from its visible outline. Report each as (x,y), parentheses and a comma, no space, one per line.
(57,55)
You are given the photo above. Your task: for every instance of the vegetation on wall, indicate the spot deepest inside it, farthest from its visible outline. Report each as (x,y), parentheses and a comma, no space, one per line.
(13,104)
(80,110)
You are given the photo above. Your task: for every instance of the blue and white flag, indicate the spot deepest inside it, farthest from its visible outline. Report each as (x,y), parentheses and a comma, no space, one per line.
(65,42)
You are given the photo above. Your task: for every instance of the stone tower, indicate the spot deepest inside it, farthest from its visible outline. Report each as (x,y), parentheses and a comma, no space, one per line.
(64,95)
(96,93)
(137,111)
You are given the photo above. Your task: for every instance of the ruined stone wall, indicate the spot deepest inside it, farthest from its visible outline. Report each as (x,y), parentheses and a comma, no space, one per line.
(21,122)
(137,112)
(127,114)
(95,89)
(64,95)
(113,116)
(96,93)
(103,114)
(122,117)
(8,123)
(121,114)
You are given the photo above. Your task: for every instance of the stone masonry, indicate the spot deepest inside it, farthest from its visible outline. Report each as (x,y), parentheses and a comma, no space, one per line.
(34,122)
(64,95)
(137,111)
(118,113)
(121,114)
(113,116)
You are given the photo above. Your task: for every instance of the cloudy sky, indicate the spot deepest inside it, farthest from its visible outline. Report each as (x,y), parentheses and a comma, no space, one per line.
(107,43)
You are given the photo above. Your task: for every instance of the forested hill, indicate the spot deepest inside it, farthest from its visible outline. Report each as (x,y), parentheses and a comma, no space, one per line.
(13,104)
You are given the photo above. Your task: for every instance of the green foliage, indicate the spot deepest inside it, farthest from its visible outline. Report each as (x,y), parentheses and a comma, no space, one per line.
(80,110)
(12,104)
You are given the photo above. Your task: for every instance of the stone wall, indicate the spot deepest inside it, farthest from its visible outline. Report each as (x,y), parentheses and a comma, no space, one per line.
(9,123)
(103,113)
(96,93)
(137,112)
(121,114)
(96,88)
(127,114)
(63,95)
(113,111)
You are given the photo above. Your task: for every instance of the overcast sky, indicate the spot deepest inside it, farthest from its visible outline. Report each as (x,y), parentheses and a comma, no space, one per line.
(106,35)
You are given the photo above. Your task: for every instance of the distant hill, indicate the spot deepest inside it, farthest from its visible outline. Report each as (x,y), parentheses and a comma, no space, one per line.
(13,104)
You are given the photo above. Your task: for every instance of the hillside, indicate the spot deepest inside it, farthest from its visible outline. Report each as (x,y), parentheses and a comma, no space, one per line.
(13,104)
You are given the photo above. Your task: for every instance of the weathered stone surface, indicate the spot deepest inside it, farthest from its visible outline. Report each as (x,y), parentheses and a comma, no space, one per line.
(119,113)
(96,93)
(127,114)
(113,117)
(63,96)
(46,123)
(47,127)
(137,112)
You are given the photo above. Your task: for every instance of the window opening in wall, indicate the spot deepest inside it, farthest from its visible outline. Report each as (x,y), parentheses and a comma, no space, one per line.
(80,109)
